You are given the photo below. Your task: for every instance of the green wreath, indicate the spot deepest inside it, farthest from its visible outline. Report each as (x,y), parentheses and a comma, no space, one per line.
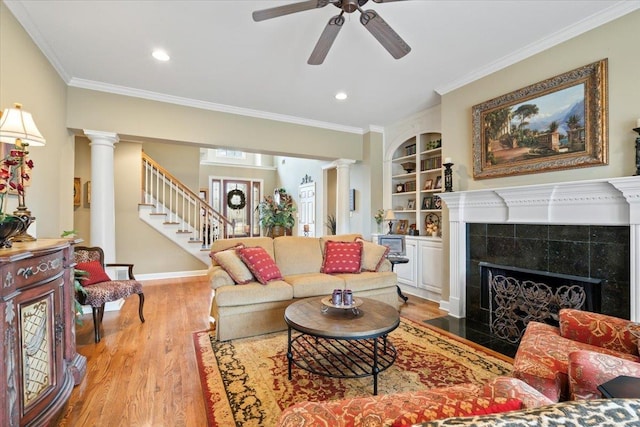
(232,194)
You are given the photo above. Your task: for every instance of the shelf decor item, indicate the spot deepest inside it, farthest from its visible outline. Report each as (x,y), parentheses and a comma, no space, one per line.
(18,129)
(532,130)
(408,167)
(448,176)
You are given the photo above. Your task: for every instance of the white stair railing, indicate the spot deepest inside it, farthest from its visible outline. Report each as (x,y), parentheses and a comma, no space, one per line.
(182,206)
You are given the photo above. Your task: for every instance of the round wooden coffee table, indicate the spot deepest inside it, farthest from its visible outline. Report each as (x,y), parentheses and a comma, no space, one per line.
(341,342)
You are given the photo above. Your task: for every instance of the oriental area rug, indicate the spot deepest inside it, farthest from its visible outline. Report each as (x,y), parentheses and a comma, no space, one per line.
(245,383)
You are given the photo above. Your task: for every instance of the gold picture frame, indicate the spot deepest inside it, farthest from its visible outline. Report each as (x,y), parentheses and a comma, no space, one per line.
(559,123)
(77,191)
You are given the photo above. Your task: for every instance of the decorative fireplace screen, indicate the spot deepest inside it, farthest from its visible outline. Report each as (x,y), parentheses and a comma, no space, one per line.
(516,296)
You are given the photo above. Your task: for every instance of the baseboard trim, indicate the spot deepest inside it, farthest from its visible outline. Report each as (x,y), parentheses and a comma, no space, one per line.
(171,275)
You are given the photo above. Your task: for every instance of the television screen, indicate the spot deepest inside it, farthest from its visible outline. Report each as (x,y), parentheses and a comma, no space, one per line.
(395,242)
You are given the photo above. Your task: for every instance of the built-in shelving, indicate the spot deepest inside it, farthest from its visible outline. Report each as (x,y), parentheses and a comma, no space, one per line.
(416,180)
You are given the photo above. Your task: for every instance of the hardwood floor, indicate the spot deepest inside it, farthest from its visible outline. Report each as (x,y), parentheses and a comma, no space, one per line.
(145,374)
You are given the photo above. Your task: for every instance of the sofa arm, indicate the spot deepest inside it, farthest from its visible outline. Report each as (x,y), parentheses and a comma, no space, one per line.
(218,277)
(514,388)
(598,329)
(371,410)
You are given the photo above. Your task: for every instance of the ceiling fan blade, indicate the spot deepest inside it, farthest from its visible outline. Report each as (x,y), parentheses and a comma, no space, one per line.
(385,1)
(274,12)
(326,40)
(384,34)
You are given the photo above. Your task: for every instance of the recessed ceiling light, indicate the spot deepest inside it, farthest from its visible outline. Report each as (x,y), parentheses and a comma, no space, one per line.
(160,55)
(341,96)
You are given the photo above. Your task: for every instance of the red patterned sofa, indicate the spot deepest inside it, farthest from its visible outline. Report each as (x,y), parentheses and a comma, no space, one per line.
(542,359)
(588,369)
(400,409)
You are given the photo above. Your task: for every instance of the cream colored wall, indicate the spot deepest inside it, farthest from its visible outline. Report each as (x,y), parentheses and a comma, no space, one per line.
(82,213)
(617,41)
(137,118)
(27,77)
(366,179)
(180,160)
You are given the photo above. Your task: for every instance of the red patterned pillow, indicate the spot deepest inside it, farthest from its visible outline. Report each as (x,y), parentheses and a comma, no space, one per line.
(598,329)
(342,257)
(96,273)
(459,408)
(260,263)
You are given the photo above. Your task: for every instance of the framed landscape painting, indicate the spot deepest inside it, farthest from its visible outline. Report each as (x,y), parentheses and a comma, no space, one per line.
(559,123)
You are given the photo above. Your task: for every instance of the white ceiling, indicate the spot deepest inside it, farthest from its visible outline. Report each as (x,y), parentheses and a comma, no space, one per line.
(222,60)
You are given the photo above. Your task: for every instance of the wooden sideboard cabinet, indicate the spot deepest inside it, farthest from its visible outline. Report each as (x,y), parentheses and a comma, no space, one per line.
(38,359)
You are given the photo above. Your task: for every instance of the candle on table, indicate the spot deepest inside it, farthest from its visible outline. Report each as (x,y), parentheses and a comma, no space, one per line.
(638,123)
(447,160)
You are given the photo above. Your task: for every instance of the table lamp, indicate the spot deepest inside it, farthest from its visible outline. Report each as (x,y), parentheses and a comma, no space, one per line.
(18,128)
(390,216)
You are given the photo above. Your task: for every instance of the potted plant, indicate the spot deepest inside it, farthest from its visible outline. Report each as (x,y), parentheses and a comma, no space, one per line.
(276,213)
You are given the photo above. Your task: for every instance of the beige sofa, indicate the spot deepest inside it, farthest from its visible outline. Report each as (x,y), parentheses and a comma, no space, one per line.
(254,309)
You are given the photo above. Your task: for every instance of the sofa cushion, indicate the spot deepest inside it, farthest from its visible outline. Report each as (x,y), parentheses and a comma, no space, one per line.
(342,257)
(338,238)
(313,284)
(373,255)
(260,263)
(459,408)
(249,242)
(96,273)
(253,293)
(297,255)
(588,369)
(367,280)
(230,262)
(598,329)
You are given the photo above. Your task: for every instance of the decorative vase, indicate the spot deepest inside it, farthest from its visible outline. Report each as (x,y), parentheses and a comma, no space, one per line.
(279,230)
(10,226)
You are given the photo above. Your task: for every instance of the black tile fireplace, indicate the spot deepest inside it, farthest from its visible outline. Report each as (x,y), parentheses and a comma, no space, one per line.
(593,254)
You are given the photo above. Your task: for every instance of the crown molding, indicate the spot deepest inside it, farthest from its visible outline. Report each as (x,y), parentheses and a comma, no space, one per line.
(614,12)
(23,18)
(204,105)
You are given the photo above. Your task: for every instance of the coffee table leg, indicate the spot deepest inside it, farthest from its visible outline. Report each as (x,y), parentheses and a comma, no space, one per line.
(289,353)
(375,369)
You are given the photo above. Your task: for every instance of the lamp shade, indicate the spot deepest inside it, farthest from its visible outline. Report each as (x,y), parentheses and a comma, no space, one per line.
(18,124)
(389,215)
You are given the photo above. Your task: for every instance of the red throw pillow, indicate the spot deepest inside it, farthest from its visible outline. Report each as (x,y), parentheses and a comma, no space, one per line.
(96,273)
(459,408)
(260,263)
(342,257)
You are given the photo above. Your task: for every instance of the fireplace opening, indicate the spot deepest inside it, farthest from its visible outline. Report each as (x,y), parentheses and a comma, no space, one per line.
(516,296)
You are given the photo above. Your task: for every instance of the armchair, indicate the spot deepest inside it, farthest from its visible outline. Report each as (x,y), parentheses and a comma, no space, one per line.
(542,359)
(99,288)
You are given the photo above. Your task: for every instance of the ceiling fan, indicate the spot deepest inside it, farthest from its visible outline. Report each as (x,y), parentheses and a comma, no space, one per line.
(373,22)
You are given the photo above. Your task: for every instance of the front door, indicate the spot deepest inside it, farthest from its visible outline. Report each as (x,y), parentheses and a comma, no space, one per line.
(307,209)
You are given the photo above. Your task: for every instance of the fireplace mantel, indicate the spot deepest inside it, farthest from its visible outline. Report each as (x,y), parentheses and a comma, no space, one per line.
(614,201)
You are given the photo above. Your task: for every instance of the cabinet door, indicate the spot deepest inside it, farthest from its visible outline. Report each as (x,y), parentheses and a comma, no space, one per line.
(430,259)
(40,342)
(407,273)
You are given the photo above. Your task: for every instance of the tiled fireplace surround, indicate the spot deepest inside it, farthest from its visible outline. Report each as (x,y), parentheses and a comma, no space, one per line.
(585,228)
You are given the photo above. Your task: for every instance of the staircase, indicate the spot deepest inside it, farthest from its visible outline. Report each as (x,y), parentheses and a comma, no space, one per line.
(178,213)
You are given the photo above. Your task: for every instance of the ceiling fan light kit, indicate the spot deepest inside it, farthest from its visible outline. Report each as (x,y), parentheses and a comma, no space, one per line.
(371,20)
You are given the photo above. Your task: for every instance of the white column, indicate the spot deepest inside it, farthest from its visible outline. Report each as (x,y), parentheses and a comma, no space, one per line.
(103,214)
(342,194)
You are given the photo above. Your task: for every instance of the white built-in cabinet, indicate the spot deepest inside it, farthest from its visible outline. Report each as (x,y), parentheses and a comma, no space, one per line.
(416,180)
